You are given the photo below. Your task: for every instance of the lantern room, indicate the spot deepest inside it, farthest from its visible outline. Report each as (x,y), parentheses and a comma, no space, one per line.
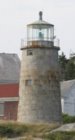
(40,32)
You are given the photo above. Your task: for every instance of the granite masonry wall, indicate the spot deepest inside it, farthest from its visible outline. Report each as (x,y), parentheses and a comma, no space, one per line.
(39,93)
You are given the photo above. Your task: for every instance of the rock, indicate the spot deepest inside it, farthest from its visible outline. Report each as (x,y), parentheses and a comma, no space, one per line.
(65,127)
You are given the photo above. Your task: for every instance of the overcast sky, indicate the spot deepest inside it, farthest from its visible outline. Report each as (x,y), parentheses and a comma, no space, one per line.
(16,14)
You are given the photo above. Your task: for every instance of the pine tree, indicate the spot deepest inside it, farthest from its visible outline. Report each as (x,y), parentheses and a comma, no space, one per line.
(62,63)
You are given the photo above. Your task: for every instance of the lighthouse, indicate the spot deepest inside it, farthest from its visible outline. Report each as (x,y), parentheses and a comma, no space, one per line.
(39,88)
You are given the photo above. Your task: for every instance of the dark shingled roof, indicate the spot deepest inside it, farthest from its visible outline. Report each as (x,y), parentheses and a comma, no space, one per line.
(9,68)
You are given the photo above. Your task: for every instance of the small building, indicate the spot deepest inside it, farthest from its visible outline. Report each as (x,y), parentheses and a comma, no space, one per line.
(9,67)
(68,97)
(9,85)
(8,100)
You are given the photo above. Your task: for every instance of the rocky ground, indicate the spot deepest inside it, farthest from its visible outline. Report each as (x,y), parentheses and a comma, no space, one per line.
(65,127)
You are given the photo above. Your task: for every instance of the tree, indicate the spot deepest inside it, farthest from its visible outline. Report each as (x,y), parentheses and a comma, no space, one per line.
(62,63)
(67,67)
(70,70)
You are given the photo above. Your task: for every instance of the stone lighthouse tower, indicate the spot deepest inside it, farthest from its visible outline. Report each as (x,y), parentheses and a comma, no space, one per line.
(39,93)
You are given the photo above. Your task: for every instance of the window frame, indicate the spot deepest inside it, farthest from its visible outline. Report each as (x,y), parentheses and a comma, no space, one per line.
(2,109)
(28,82)
(29,52)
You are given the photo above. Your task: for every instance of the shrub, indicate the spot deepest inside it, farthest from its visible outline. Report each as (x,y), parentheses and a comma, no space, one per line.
(12,129)
(60,136)
(68,119)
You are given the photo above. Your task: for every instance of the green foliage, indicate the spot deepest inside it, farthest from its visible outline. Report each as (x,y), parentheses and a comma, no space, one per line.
(62,60)
(12,129)
(68,119)
(60,136)
(67,67)
(62,63)
(70,70)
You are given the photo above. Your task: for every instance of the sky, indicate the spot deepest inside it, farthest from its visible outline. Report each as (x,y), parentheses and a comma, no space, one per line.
(16,14)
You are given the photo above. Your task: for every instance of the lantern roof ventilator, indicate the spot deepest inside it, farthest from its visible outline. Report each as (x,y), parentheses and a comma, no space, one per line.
(40,23)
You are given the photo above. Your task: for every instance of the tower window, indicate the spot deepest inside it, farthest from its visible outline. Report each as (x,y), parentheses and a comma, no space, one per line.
(29,52)
(28,82)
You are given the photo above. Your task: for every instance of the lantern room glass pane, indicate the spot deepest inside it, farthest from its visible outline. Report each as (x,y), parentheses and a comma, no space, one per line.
(40,33)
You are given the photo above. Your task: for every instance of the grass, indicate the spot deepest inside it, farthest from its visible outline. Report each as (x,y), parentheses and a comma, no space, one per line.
(68,119)
(60,136)
(13,129)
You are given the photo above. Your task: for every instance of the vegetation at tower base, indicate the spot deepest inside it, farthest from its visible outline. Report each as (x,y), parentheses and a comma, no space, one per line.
(60,136)
(30,132)
(68,119)
(67,67)
(13,129)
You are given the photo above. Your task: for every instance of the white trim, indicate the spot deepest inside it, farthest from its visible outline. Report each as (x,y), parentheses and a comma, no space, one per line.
(1,115)
(8,99)
(62,104)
